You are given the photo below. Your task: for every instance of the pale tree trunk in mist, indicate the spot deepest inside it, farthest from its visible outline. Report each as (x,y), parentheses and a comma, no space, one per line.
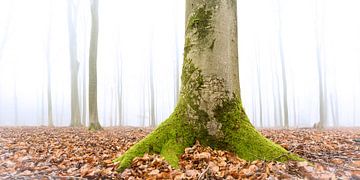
(283,70)
(48,64)
(176,64)
(112,107)
(93,108)
(152,121)
(277,97)
(321,69)
(334,109)
(119,89)
(84,103)
(84,83)
(74,64)
(294,106)
(258,78)
(152,96)
(16,113)
(209,108)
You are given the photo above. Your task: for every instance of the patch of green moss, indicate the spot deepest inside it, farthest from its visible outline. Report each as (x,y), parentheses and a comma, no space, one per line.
(169,139)
(188,123)
(200,22)
(95,127)
(242,138)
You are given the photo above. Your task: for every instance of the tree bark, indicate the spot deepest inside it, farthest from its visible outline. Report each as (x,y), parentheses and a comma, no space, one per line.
(323,118)
(93,108)
(48,64)
(209,108)
(74,65)
(283,71)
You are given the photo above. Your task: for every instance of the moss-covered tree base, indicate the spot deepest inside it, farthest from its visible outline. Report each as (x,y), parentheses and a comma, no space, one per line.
(95,127)
(178,132)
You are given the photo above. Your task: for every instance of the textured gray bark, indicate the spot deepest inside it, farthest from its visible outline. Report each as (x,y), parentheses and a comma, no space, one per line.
(93,108)
(74,64)
(224,37)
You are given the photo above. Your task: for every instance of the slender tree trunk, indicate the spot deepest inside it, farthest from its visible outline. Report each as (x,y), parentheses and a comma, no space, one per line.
(74,65)
(209,109)
(176,64)
(93,108)
(321,72)
(283,70)
(258,75)
(152,120)
(16,113)
(119,89)
(48,64)
(84,103)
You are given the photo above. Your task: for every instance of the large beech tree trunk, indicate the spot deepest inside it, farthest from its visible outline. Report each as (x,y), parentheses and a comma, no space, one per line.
(93,108)
(209,108)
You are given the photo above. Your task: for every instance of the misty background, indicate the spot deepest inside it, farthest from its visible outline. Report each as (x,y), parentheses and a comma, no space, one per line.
(305,50)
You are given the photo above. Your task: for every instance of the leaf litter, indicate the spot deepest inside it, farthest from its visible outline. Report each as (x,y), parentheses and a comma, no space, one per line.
(76,153)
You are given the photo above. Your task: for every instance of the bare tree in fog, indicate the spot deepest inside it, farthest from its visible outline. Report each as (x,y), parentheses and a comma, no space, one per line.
(48,69)
(277,96)
(176,64)
(119,77)
(283,70)
(74,63)
(152,120)
(258,77)
(93,108)
(318,20)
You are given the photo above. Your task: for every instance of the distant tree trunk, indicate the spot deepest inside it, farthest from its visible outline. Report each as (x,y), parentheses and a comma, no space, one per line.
(85,85)
(16,113)
(334,109)
(48,64)
(176,64)
(74,65)
(294,108)
(152,120)
(49,97)
(84,103)
(321,71)
(283,69)
(209,108)
(258,75)
(112,107)
(277,97)
(119,89)
(93,108)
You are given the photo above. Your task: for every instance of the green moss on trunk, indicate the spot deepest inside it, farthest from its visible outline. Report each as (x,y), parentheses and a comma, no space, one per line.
(206,110)
(189,123)
(95,127)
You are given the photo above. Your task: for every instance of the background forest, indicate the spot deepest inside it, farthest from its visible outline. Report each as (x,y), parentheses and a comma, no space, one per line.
(299,61)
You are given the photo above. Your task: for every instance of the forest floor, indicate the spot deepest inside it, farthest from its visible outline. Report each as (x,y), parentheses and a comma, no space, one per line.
(66,153)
